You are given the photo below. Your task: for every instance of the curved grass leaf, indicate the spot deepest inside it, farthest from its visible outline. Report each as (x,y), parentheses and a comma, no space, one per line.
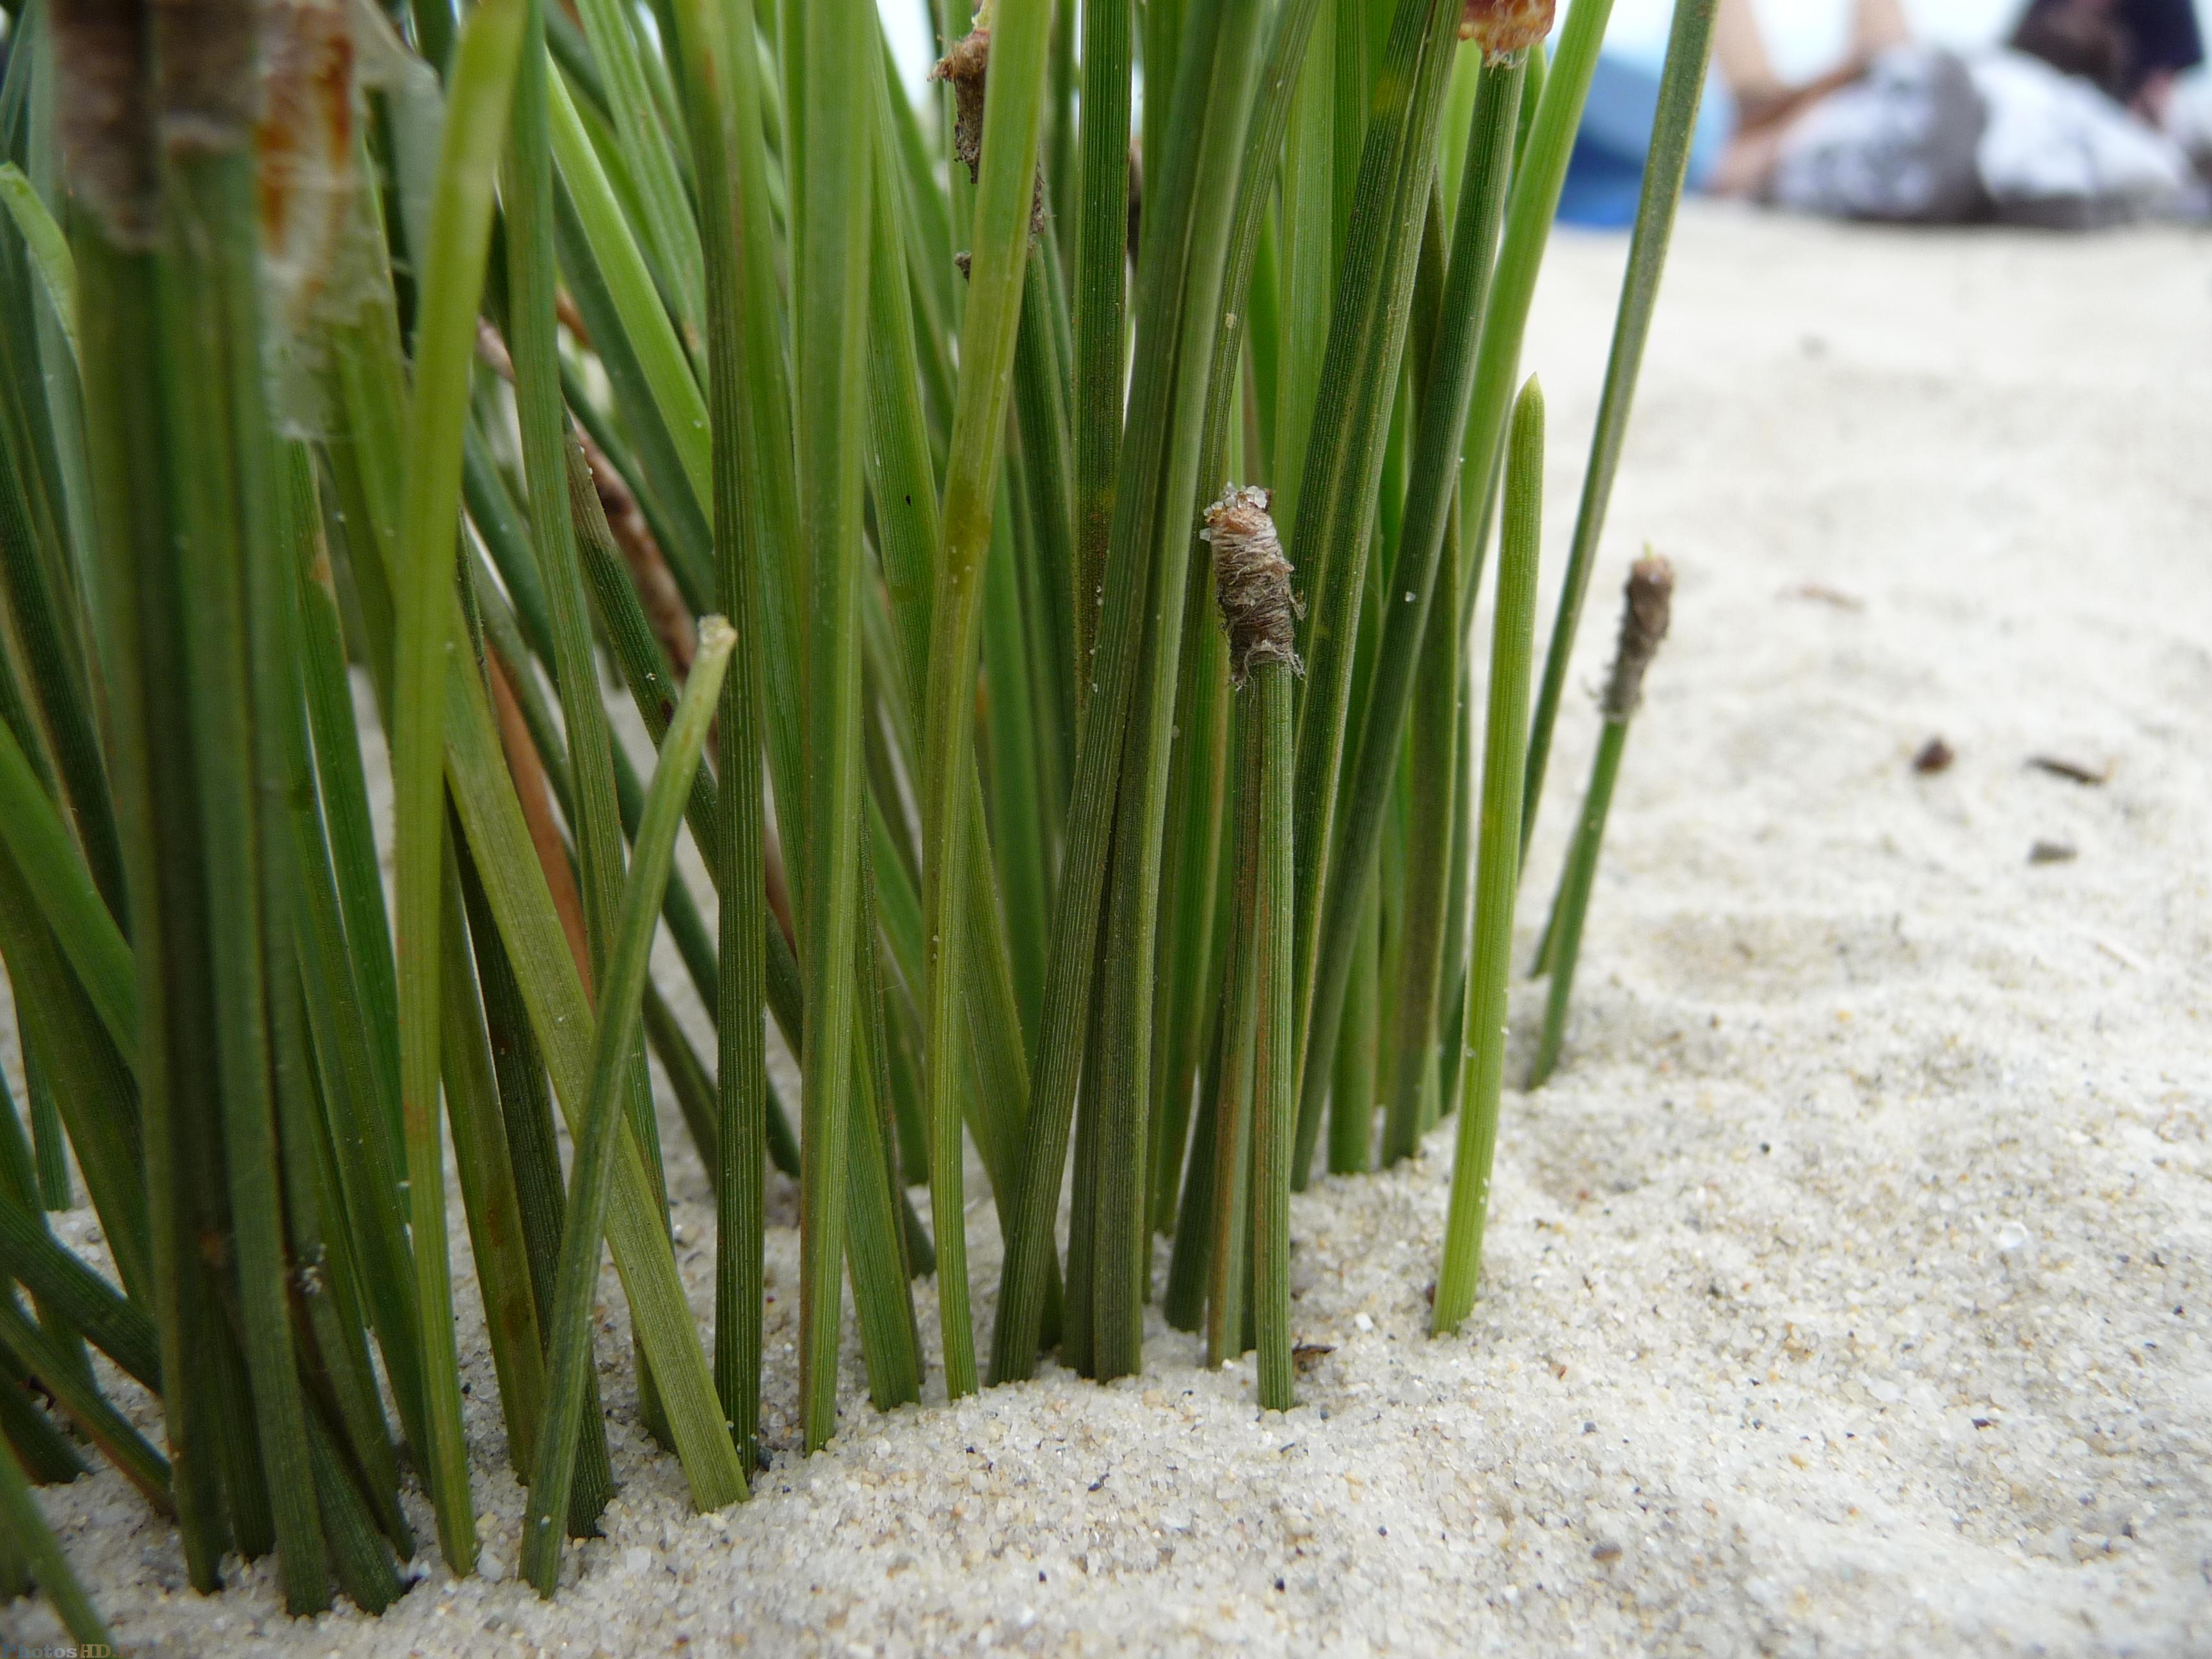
(476,126)
(569,1340)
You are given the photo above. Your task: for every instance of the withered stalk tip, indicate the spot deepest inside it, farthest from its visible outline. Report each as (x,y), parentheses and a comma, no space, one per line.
(1501,27)
(1645,614)
(1252,581)
(965,69)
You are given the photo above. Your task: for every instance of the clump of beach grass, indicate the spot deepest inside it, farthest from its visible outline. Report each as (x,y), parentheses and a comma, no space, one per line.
(490,357)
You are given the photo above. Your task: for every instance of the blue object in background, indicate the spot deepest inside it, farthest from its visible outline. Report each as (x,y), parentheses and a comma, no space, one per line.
(1605,174)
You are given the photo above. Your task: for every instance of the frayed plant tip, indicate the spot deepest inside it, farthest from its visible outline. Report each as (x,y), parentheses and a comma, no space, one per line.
(966,68)
(1645,614)
(303,152)
(1252,581)
(1502,27)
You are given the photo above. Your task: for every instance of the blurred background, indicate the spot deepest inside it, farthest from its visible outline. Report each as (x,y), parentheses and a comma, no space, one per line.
(2062,113)
(1803,35)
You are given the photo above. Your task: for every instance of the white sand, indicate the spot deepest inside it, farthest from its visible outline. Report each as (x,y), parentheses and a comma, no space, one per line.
(1847,1290)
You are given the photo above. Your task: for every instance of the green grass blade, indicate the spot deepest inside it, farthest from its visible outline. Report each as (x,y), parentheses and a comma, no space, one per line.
(1432,735)
(63,1376)
(49,1457)
(831,145)
(488,1199)
(360,1559)
(1644,622)
(1045,594)
(35,1542)
(705,48)
(46,245)
(91,1084)
(477,120)
(570,1338)
(642,448)
(1194,811)
(1042,364)
(350,1041)
(367,372)
(769,417)
(1573,895)
(342,782)
(1504,746)
(1274,1061)
(1681,84)
(1190,850)
(1101,266)
(533,329)
(1013,108)
(1451,1012)
(52,1272)
(1179,284)
(1356,1062)
(644,319)
(1016,792)
(909,536)
(55,871)
(1342,477)
(610,30)
(342,1378)
(113,173)
(48,1142)
(1372,761)
(1308,256)
(19,1172)
(41,610)
(561,1021)
(879,1231)
(1551,112)
(1228,1163)
(902,482)
(234,561)
(1220,188)
(526,1110)
(1182,1302)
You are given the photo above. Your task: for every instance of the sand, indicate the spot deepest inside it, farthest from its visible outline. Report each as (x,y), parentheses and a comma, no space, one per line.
(1848,1289)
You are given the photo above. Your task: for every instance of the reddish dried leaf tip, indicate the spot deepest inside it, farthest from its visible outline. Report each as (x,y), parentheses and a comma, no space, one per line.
(1252,581)
(965,69)
(1502,27)
(304,135)
(1643,618)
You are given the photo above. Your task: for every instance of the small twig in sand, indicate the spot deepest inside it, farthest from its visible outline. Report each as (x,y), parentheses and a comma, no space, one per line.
(2059,767)
(1821,593)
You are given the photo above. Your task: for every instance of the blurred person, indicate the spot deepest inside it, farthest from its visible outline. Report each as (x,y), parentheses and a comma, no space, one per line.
(1765,104)
(2133,51)
(1909,133)
(1887,132)
(1746,104)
